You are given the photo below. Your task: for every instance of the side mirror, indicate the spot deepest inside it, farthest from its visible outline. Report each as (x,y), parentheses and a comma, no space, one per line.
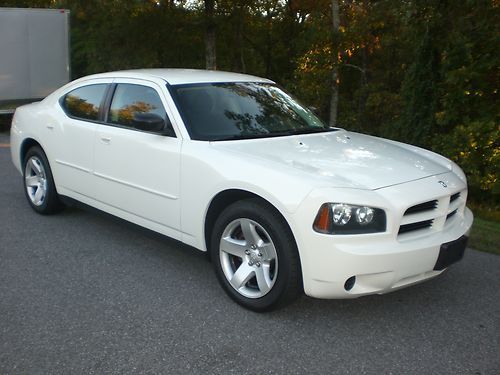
(168,130)
(150,122)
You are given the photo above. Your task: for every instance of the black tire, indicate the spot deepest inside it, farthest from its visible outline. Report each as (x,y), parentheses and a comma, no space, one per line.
(51,203)
(288,278)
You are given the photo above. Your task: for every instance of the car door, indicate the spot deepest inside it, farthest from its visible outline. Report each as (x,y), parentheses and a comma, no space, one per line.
(73,136)
(137,171)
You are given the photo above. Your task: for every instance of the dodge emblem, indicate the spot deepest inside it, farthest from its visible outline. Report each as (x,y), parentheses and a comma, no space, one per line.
(443,184)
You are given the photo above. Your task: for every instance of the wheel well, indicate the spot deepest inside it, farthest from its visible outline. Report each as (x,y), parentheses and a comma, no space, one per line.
(224,199)
(25,146)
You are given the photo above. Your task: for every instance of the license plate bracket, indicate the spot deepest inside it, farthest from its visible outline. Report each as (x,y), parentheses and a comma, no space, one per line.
(451,252)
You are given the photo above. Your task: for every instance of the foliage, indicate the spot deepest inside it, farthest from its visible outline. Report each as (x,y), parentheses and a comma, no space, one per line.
(419,86)
(420,71)
(485,235)
(476,148)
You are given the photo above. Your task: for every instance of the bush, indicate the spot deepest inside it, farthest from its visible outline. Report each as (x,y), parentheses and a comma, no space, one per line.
(476,148)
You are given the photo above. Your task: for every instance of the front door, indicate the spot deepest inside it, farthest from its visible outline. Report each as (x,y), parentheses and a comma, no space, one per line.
(137,171)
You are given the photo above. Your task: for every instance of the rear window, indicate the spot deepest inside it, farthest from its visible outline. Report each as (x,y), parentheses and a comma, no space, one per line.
(84,102)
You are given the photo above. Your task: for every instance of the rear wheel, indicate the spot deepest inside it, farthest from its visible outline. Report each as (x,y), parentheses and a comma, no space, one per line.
(39,184)
(255,256)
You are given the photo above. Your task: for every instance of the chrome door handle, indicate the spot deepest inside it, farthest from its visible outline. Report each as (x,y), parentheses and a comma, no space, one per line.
(51,127)
(106,140)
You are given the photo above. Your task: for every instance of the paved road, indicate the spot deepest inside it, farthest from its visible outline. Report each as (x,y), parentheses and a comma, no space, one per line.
(81,292)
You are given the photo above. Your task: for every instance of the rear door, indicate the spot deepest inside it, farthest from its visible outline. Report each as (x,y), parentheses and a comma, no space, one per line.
(72,135)
(138,171)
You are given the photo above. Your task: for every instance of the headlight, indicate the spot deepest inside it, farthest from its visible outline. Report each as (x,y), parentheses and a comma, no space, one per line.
(341,218)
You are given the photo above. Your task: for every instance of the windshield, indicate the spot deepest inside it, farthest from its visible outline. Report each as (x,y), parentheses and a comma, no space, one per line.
(242,110)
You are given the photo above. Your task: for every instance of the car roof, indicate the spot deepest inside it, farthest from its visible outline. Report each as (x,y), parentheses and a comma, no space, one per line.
(183,76)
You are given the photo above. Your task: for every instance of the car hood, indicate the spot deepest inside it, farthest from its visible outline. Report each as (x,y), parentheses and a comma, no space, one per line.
(342,159)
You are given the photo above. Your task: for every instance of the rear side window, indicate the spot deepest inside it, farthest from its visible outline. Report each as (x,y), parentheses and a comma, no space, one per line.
(84,102)
(130,99)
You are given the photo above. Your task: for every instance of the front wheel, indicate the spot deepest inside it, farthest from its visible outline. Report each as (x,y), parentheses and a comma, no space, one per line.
(255,256)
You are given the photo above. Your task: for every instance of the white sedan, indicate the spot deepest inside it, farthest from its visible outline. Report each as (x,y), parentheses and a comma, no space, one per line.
(233,165)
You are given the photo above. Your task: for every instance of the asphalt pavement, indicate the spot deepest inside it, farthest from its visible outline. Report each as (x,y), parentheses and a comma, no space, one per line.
(83,293)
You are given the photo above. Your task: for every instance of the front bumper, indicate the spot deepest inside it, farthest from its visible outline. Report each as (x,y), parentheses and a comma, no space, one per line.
(380,262)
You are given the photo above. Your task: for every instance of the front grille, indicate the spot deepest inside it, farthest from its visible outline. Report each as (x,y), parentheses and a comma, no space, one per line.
(451,214)
(430,216)
(454,197)
(415,226)
(426,206)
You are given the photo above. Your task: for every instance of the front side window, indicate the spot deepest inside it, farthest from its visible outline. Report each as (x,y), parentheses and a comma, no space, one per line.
(238,110)
(130,100)
(84,102)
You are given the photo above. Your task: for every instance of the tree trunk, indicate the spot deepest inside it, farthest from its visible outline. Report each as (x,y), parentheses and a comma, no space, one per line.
(334,101)
(238,22)
(268,42)
(210,37)
(363,88)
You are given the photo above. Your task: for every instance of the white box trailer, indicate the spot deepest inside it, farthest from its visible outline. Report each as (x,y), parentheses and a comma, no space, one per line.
(34,54)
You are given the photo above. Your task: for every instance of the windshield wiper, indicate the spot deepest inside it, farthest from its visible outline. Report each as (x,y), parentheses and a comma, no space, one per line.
(276,134)
(308,131)
(239,136)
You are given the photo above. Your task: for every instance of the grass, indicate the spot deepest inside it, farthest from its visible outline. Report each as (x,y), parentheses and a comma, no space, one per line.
(485,233)
(485,236)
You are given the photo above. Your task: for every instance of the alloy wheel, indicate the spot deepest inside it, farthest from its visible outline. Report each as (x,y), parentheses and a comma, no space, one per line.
(248,258)
(35,180)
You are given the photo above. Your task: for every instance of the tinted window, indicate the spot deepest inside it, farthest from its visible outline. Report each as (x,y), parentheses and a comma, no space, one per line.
(129,100)
(220,111)
(85,102)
